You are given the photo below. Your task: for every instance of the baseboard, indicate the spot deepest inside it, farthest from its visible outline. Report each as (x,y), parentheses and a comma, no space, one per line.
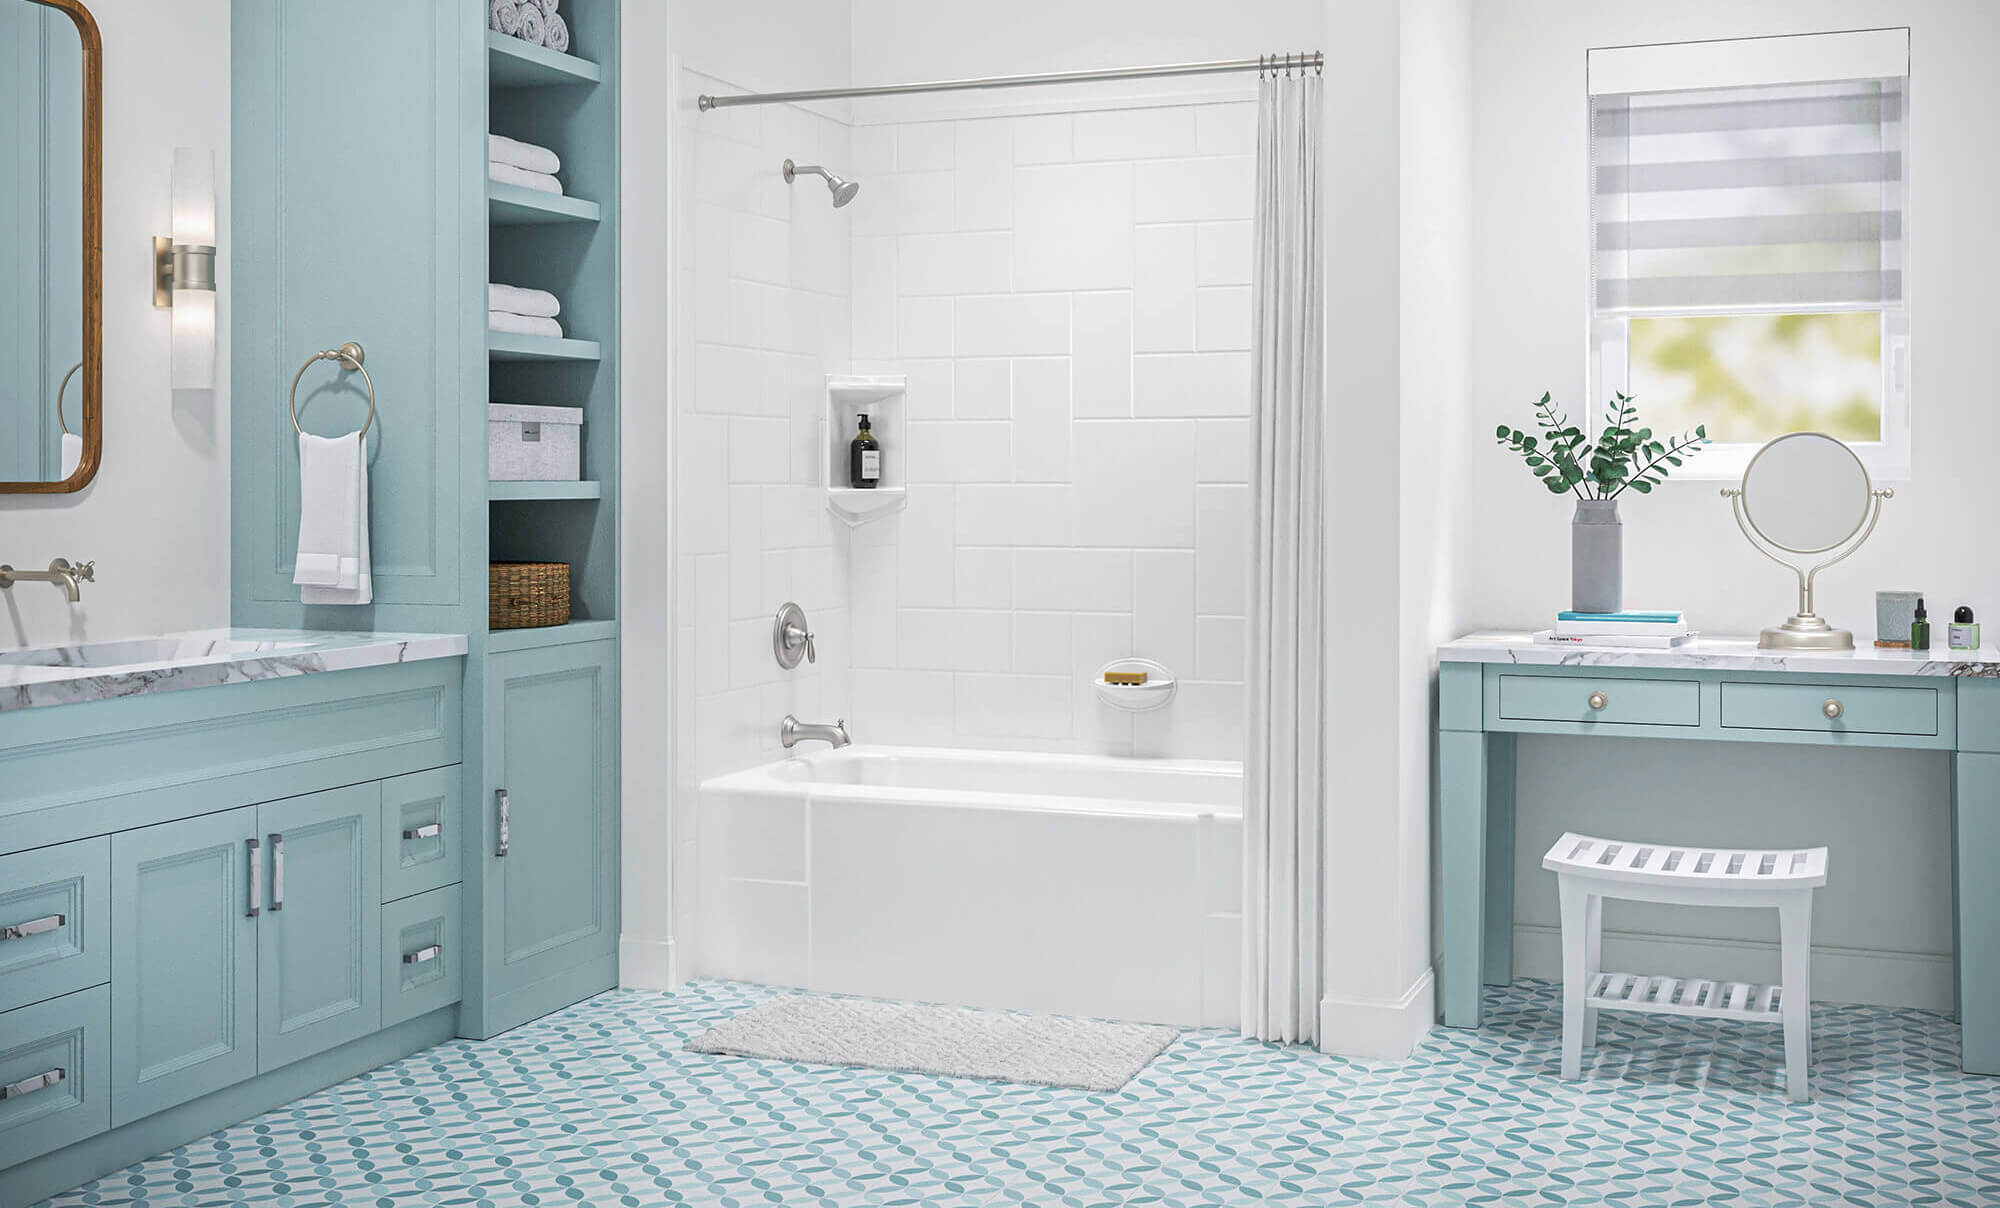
(646,964)
(1860,975)
(1379,1029)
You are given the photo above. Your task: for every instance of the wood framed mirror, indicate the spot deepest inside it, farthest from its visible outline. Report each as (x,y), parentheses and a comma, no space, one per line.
(51,247)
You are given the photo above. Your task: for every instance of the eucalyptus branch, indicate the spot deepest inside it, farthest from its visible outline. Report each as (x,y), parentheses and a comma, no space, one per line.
(1624,456)
(1687,443)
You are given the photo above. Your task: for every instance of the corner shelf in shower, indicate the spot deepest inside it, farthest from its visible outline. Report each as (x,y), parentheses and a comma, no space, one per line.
(513,205)
(881,397)
(513,491)
(513,63)
(506,346)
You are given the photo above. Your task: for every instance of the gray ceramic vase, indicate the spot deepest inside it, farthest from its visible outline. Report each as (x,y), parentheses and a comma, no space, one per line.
(1596,557)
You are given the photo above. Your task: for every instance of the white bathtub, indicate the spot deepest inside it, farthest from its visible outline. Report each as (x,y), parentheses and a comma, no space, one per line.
(1084,885)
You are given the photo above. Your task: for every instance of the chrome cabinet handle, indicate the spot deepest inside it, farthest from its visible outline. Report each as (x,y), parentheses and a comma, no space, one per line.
(429,830)
(1597,701)
(1833,709)
(501,794)
(28,1086)
(21,931)
(423,955)
(256,876)
(277,872)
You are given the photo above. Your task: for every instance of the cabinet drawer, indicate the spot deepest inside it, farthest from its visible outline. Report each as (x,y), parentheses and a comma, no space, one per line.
(54,1067)
(421,836)
(55,925)
(1854,708)
(1618,701)
(421,957)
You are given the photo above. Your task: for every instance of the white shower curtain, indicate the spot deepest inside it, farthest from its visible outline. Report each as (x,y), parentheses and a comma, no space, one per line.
(1285,765)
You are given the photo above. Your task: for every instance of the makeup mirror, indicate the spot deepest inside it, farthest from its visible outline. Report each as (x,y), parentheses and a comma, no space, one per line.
(1806,493)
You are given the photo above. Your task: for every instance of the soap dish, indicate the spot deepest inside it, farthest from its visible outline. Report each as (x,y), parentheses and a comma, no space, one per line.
(1158,689)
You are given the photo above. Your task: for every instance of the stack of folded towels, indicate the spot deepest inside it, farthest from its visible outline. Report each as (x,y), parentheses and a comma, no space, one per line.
(512,162)
(533,21)
(524,312)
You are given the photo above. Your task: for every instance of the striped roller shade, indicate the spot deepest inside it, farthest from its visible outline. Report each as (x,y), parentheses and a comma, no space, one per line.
(1770,197)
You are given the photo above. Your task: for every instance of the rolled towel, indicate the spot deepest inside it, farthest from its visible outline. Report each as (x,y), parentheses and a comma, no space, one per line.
(548,7)
(516,300)
(523,325)
(533,24)
(508,174)
(504,15)
(555,31)
(527,156)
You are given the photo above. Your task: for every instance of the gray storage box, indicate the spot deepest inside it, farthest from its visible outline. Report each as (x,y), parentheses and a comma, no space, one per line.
(533,444)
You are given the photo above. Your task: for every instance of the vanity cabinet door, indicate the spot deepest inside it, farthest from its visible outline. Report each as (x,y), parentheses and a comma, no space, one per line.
(319,942)
(551,918)
(183,960)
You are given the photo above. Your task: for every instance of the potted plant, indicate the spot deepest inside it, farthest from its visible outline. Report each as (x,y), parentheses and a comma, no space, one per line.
(1624,457)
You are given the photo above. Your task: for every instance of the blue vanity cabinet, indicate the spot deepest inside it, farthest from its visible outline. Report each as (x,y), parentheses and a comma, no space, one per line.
(53,1060)
(550,909)
(55,921)
(184,960)
(319,939)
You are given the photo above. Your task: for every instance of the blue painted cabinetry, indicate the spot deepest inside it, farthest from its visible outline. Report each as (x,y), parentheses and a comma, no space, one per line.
(319,937)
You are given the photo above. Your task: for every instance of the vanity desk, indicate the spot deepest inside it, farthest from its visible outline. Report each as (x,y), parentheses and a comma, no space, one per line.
(1493,686)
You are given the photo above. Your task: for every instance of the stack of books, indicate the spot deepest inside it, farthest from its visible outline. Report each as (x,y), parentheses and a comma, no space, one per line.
(1638,630)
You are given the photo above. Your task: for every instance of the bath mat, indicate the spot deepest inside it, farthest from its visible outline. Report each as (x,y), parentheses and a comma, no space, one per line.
(958,1042)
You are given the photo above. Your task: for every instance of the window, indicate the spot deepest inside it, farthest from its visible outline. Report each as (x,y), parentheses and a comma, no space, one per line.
(1747,240)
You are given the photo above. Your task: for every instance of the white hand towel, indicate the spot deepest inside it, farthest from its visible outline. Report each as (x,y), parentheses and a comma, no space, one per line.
(508,174)
(516,300)
(333,564)
(72,453)
(555,30)
(504,15)
(533,24)
(523,325)
(527,156)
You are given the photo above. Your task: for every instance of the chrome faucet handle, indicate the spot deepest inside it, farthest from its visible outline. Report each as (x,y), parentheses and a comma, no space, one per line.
(86,571)
(790,634)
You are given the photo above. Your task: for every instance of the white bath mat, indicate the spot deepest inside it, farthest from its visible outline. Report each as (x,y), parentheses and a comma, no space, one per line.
(958,1042)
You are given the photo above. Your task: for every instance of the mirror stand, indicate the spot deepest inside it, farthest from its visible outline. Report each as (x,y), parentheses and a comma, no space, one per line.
(1805,629)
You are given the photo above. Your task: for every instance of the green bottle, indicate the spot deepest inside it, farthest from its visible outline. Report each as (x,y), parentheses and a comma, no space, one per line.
(864,458)
(1920,629)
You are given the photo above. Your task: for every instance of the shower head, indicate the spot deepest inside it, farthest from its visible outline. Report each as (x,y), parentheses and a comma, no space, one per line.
(843,190)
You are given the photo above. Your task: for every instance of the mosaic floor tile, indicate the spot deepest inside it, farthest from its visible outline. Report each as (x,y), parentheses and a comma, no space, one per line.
(599,1105)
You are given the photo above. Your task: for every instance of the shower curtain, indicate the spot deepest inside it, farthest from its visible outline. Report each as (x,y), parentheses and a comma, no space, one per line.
(1285,764)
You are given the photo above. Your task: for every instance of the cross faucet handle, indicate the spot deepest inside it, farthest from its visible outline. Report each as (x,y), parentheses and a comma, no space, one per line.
(87,571)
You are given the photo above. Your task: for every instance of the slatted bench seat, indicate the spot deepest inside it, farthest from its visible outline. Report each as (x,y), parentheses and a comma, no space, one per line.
(1589,870)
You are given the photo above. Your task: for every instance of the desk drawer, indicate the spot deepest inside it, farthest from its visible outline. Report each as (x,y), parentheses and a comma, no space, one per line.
(55,922)
(1857,708)
(421,837)
(422,961)
(1619,701)
(54,1062)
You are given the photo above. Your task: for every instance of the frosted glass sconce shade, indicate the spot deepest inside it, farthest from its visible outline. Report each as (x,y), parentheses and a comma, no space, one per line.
(184,269)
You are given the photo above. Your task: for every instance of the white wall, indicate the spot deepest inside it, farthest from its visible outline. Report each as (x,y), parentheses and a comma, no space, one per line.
(156,519)
(1528,294)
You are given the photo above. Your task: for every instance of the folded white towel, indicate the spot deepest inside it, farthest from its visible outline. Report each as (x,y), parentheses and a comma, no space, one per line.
(533,23)
(333,564)
(555,30)
(503,150)
(504,15)
(72,454)
(515,300)
(523,325)
(508,174)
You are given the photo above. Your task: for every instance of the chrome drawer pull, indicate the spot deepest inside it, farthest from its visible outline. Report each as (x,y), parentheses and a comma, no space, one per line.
(1832,709)
(277,872)
(429,830)
(21,931)
(502,795)
(422,955)
(256,877)
(28,1086)
(1597,701)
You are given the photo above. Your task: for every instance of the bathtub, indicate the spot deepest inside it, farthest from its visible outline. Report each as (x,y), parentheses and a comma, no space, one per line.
(1083,885)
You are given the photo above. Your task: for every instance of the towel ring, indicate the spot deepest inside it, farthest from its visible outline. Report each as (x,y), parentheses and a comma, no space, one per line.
(348,355)
(60,421)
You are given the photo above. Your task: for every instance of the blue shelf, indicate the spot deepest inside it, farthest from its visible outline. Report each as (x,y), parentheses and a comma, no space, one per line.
(512,63)
(506,346)
(508,491)
(512,205)
(500,640)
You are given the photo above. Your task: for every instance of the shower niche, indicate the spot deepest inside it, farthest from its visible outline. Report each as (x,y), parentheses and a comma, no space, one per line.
(880,398)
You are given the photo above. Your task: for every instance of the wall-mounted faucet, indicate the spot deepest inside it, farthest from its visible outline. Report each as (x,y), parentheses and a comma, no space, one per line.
(70,576)
(792,732)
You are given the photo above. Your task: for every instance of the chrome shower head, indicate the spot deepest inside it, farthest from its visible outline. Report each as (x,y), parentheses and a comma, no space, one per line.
(843,190)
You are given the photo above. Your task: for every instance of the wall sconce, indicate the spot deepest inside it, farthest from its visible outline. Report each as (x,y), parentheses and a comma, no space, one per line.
(184,269)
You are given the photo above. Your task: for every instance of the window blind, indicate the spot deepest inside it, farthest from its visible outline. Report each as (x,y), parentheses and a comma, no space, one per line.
(1754,197)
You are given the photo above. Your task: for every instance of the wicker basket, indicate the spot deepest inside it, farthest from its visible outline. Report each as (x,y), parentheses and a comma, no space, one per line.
(527,595)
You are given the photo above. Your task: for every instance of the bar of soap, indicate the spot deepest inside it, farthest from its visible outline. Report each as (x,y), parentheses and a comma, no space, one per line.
(1124,677)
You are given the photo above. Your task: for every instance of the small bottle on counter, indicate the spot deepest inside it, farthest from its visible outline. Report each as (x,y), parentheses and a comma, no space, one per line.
(864,458)
(1920,629)
(1963,632)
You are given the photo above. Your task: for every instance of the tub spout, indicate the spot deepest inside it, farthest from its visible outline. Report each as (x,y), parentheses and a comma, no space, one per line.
(792,732)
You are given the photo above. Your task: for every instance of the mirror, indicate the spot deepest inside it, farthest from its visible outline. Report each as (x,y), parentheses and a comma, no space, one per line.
(51,415)
(1806,493)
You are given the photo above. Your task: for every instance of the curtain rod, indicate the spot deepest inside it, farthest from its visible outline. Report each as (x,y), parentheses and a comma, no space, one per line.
(1287,62)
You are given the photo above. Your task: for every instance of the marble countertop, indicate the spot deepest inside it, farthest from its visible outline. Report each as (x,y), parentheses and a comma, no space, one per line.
(1722,654)
(67,675)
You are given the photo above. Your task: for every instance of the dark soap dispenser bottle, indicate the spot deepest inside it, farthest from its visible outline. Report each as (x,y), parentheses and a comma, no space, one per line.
(1920,629)
(864,458)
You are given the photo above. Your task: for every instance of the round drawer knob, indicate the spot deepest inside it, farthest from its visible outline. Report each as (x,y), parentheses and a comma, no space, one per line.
(1832,709)
(1598,700)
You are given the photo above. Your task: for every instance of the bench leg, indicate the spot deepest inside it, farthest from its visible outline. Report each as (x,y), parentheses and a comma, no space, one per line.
(1575,927)
(1795,940)
(1593,962)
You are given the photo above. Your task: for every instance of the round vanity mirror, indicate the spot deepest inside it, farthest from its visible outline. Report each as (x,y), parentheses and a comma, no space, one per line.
(1806,493)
